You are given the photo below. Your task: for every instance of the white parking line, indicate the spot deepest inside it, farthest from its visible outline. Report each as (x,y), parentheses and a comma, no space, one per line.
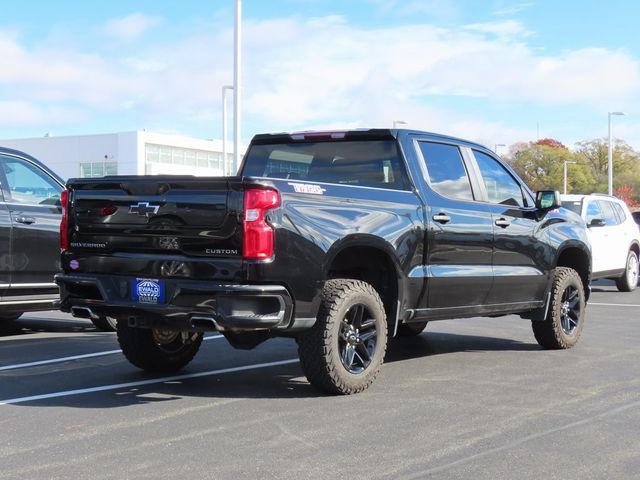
(117,386)
(75,357)
(613,304)
(58,360)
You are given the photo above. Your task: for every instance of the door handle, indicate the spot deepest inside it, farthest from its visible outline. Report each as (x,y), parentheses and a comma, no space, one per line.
(441,218)
(503,222)
(25,220)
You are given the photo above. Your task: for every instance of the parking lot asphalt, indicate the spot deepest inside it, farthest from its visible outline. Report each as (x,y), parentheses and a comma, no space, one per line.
(472,398)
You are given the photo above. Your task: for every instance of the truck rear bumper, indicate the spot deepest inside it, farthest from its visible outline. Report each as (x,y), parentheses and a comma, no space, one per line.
(186,304)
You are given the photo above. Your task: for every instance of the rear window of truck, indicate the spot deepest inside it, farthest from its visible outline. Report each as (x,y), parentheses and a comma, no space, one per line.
(359,163)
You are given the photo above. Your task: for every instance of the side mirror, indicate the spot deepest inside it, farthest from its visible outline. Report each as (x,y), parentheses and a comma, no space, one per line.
(597,222)
(548,199)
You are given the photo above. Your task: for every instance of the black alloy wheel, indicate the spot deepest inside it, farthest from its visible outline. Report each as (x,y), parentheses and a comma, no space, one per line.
(358,339)
(570,310)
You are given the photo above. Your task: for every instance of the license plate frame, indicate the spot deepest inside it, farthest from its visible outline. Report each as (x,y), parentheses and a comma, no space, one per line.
(148,291)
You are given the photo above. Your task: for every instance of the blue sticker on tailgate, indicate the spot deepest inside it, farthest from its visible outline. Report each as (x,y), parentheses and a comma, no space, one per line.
(147,290)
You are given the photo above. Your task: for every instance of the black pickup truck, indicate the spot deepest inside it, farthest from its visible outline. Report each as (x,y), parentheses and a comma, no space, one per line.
(340,240)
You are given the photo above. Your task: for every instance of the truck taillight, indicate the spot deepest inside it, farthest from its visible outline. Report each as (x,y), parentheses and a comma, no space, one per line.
(258,234)
(64,222)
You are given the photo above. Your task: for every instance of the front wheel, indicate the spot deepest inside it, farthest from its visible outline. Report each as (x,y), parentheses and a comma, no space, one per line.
(629,279)
(343,352)
(158,350)
(565,318)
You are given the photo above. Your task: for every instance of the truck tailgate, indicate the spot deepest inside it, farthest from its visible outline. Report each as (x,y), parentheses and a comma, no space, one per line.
(190,216)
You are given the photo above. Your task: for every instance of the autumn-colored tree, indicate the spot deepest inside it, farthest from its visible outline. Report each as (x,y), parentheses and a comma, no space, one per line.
(541,166)
(550,142)
(626,163)
(625,193)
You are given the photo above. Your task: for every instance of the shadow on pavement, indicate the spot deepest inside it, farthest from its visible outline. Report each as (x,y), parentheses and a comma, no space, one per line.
(278,382)
(28,326)
(604,285)
(437,343)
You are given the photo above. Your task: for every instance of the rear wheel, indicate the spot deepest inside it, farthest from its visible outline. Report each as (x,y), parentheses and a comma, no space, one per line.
(106,324)
(629,279)
(411,329)
(565,318)
(158,350)
(344,350)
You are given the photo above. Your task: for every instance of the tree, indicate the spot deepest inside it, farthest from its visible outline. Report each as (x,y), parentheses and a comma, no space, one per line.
(625,193)
(626,164)
(541,166)
(551,142)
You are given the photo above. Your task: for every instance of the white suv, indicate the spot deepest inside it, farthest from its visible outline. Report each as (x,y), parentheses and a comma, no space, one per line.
(614,237)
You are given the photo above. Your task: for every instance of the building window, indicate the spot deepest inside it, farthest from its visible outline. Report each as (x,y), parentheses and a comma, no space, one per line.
(157,157)
(98,169)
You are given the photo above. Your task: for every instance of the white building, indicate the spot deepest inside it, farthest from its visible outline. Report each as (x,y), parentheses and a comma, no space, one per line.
(126,153)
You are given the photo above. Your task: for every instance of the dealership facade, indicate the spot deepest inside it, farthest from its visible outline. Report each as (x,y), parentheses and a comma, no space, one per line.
(126,153)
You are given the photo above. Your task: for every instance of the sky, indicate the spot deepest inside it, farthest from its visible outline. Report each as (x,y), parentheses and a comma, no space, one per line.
(491,71)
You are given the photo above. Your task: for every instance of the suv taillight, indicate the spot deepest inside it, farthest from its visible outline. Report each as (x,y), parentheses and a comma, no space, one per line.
(64,222)
(258,234)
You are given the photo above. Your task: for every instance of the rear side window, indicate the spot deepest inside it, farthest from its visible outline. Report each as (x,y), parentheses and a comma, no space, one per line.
(622,217)
(447,173)
(608,213)
(374,163)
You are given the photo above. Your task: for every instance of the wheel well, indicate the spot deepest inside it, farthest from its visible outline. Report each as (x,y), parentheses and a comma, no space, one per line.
(373,266)
(579,261)
(635,248)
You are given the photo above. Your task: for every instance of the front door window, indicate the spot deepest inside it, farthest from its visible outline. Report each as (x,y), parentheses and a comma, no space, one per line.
(27,185)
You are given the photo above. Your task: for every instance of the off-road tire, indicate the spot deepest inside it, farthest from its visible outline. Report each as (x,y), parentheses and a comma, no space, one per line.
(142,349)
(629,279)
(411,329)
(321,348)
(567,305)
(106,324)
(10,317)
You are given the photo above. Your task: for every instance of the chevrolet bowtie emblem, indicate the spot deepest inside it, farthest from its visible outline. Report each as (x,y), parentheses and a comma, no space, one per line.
(144,209)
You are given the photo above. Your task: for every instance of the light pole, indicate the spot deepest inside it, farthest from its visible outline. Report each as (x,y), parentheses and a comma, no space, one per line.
(610,162)
(564,178)
(225,160)
(399,122)
(495,147)
(237,57)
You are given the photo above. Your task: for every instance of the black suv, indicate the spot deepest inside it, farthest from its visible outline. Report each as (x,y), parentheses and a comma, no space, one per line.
(337,239)
(30,214)
(29,227)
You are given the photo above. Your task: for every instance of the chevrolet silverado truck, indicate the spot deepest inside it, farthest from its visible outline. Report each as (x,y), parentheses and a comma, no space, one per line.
(339,240)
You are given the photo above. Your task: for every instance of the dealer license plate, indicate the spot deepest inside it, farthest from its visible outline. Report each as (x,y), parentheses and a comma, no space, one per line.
(147,290)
